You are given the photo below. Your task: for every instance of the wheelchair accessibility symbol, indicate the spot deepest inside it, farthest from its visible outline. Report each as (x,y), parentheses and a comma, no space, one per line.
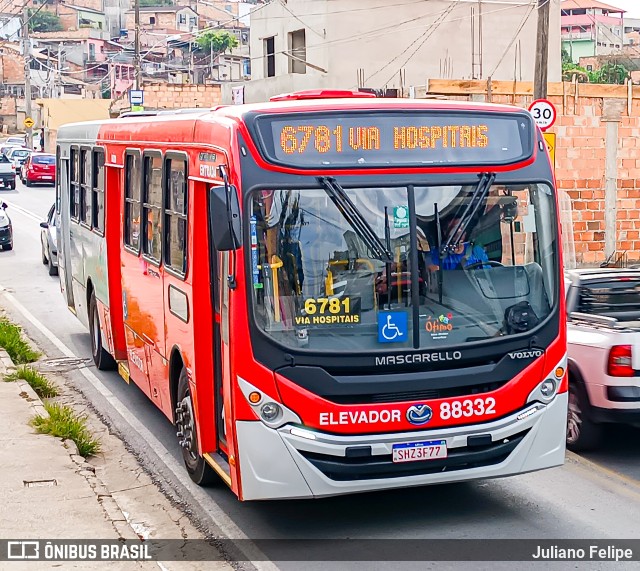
(392,327)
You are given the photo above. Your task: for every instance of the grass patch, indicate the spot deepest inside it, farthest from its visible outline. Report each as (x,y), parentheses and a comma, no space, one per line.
(12,341)
(63,422)
(43,387)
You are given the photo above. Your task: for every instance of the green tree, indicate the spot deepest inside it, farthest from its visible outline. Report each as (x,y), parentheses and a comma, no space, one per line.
(216,41)
(43,21)
(570,69)
(610,72)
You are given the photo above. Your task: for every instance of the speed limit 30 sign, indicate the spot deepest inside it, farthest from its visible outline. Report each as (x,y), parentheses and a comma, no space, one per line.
(544,113)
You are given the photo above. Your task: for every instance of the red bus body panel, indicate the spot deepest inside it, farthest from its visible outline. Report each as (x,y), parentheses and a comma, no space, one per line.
(146,333)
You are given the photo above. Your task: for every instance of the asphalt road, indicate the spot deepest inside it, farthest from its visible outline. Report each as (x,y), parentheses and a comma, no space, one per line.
(598,497)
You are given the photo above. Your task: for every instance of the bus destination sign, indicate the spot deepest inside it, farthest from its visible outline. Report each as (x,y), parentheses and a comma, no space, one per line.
(396,139)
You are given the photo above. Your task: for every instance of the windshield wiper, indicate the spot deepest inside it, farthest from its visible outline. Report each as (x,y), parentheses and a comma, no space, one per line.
(478,197)
(436,213)
(351,214)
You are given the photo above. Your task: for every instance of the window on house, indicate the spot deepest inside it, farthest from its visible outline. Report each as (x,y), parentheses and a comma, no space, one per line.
(74,199)
(97,192)
(182,18)
(152,20)
(152,207)
(298,49)
(132,202)
(175,215)
(270,57)
(85,186)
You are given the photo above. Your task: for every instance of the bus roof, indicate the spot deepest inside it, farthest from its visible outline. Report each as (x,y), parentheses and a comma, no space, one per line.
(237,112)
(303,105)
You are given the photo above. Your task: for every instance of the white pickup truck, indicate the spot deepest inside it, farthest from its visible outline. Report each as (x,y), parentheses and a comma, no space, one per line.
(603,310)
(7,173)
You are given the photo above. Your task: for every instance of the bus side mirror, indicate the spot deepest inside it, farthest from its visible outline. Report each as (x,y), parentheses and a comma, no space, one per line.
(224,209)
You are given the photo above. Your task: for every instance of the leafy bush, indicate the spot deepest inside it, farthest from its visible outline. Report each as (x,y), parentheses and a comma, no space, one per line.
(12,341)
(63,422)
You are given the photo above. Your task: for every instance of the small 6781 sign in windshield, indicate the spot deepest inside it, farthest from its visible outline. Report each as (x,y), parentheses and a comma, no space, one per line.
(407,138)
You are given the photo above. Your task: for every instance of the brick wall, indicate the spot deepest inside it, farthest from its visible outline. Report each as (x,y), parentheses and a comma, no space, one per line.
(581,155)
(172,96)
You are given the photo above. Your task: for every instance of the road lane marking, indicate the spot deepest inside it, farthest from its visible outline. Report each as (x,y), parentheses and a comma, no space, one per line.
(630,484)
(24,211)
(206,503)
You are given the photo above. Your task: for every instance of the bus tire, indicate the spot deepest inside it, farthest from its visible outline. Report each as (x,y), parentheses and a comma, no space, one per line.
(101,357)
(582,433)
(199,471)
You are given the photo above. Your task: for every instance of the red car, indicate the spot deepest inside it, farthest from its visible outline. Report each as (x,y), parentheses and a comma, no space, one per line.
(40,167)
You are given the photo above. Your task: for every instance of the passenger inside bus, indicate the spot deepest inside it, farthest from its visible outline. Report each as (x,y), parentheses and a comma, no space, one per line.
(464,255)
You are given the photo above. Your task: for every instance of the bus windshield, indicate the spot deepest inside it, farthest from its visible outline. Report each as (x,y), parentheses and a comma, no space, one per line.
(365,269)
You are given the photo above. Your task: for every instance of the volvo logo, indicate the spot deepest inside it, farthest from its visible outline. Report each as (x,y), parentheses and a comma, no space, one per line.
(419,414)
(526,354)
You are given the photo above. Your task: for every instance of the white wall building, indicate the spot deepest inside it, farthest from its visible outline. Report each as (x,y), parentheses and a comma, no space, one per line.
(310,44)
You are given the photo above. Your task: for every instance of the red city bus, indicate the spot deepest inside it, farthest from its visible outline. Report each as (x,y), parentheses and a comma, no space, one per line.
(327,293)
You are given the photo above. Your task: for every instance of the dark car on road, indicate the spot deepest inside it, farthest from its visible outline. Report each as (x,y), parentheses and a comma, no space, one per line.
(48,241)
(6,231)
(39,168)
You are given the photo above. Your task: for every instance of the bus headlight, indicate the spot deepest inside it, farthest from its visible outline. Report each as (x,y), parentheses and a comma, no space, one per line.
(547,390)
(270,411)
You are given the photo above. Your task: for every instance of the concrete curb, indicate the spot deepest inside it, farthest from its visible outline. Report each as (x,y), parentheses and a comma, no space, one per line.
(109,504)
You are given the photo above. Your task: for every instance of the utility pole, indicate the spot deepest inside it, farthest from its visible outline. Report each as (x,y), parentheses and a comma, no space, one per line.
(137,76)
(60,89)
(542,51)
(27,74)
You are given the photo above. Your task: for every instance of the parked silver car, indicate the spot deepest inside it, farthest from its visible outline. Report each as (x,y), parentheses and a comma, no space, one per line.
(18,157)
(48,241)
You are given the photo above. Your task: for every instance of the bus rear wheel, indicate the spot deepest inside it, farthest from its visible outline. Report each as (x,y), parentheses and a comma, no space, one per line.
(101,357)
(199,471)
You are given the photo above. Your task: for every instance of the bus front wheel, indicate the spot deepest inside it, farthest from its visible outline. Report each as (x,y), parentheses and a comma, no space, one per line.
(199,471)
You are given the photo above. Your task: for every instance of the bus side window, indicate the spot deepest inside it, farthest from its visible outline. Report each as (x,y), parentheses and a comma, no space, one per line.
(132,202)
(175,215)
(74,199)
(85,189)
(152,207)
(97,191)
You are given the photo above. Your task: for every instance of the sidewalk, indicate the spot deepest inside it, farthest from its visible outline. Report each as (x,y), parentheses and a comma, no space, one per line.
(50,492)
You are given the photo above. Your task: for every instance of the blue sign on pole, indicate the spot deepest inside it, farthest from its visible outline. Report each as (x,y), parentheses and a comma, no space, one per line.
(136,97)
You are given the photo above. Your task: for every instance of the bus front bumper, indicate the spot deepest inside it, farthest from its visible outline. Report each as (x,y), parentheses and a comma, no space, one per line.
(280,464)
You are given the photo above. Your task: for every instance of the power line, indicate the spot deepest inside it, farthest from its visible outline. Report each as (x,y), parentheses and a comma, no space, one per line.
(424,37)
(31,17)
(392,29)
(523,22)
(350,10)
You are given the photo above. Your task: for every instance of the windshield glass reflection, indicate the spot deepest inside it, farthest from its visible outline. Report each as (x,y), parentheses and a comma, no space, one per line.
(482,265)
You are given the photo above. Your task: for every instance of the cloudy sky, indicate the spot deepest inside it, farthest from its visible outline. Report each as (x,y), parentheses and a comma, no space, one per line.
(631,6)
